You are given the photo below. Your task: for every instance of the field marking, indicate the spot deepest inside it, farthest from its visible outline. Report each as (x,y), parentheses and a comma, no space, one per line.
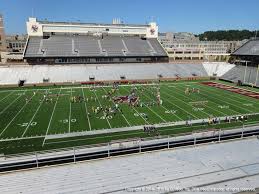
(15,116)
(7,96)
(69,116)
(101,106)
(10,104)
(189,104)
(188,113)
(120,111)
(235,96)
(51,118)
(205,105)
(155,112)
(86,110)
(227,102)
(75,87)
(32,118)
(167,109)
(196,128)
(136,111)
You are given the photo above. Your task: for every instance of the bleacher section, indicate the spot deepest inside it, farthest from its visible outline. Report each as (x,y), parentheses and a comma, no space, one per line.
(238,73)
(217,68)
(91,46)
(81,73)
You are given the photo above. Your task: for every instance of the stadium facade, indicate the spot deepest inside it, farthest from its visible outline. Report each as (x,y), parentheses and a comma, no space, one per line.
(64,43)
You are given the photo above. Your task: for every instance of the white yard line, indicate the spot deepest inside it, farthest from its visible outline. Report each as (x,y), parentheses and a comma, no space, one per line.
(157,114)
(86,110)
(154,112)
(188,104)
(15,116)
(101,106)
(51,118)
(238,102)
(137,111)
(6,96)
(227,102)
(69,117)
(166,109)
(206,105)
(32,118)
(10,104)
(121,114)
(188,113)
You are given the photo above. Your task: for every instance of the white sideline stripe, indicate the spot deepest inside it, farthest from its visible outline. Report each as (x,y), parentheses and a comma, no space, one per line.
(188,113)
(188,104)
(102,106)
(6,96)
(121,114)
(105,131)
(32,118)
(51,118)
(137,111)
(10,104)
(69,117)
(21,138)
(205,105)
(15,116)
(80,138)
(86,110)
(166,109)
(75,87)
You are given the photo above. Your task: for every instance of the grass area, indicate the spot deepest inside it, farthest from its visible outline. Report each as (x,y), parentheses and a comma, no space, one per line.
(30,115)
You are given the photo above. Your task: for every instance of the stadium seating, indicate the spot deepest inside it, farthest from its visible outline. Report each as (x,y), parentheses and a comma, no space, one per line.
(238,73)
(85,46)
(227,165)
(78,73)
(217,68)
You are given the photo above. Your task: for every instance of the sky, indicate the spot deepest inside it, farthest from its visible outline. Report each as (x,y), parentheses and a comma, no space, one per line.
(194,16)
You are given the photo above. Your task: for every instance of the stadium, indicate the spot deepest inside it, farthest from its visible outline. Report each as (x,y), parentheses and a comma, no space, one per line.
(91,91)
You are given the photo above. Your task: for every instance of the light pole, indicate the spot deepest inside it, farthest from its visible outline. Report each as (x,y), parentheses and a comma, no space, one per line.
(257,75)
(245,73)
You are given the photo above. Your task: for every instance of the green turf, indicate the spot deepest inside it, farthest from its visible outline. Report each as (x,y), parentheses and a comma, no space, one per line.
(20,119)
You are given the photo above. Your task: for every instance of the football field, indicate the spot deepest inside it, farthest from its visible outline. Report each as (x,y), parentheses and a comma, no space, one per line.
(29,116)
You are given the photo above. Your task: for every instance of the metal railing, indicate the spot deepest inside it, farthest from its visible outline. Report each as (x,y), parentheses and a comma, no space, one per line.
(115,148)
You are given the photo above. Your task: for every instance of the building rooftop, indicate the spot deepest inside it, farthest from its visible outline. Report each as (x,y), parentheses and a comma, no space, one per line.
(249,48)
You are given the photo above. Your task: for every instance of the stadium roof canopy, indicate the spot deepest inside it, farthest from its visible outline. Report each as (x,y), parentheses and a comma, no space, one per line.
(251,48)
(92,24)
(229,165)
